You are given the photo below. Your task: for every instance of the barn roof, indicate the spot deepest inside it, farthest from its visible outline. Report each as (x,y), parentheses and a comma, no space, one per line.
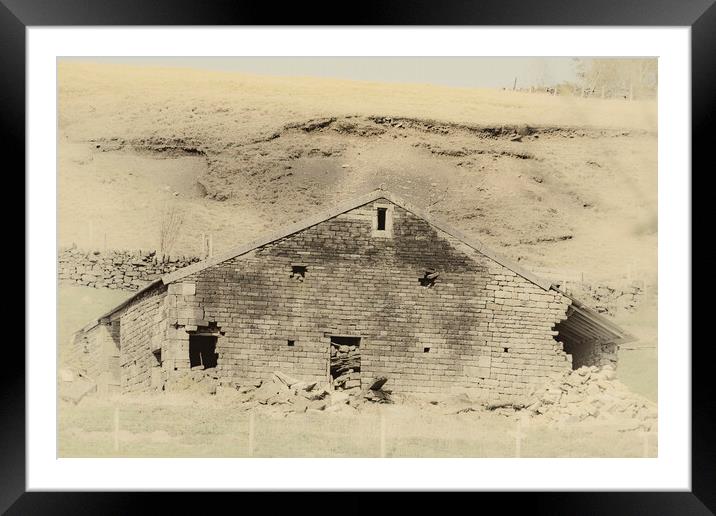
(581,320)
(340,209)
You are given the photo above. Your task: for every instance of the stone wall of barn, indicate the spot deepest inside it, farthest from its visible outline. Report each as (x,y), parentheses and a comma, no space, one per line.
(143,331)
(478,326)
(86,351)
(96,355)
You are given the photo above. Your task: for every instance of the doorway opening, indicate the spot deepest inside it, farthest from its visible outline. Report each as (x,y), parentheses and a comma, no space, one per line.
(202,351)
(345,362)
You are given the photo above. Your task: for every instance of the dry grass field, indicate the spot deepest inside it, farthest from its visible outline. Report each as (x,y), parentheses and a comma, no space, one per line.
(203,427)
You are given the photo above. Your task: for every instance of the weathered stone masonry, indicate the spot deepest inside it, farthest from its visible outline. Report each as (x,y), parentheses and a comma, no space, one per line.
(143,331)
(480,326)
(476,325)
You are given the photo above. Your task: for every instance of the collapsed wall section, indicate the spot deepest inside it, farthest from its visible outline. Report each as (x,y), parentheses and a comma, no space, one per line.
(589,352)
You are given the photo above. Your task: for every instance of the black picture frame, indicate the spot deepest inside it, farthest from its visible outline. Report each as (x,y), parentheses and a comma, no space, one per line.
(700,15)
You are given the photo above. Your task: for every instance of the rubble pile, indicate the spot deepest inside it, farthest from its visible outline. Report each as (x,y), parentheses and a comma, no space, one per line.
(287,394)
(593,394)
(196,380)
(345,367)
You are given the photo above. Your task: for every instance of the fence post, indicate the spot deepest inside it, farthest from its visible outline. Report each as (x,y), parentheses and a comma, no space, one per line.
(116,429)
(382,434)
(251,433)
(518,436)
(203,246)
(211,246)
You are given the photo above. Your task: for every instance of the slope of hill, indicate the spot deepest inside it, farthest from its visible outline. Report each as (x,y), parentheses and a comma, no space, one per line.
(552,182)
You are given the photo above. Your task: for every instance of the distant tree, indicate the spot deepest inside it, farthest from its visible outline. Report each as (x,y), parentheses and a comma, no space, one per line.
(629,78)
(169,228)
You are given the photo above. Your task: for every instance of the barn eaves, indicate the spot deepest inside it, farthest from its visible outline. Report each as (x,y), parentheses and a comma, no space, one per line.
(586,324)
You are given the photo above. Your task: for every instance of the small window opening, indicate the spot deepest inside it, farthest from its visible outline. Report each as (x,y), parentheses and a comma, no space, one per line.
(505,349)
(428,279)
(381,218)
(291,343)
(298,272)
(426,350)
(202,351)
(158,357)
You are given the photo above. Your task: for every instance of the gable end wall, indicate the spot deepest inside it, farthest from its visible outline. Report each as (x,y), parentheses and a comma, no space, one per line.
(360,285)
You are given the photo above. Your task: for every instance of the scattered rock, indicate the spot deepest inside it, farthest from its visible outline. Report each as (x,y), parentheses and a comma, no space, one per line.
(592,394)
(75,391)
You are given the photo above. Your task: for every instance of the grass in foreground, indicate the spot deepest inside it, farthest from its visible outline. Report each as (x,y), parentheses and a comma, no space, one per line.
(169,426)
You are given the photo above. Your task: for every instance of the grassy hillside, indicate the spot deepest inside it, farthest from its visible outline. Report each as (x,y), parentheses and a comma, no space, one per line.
(553,182)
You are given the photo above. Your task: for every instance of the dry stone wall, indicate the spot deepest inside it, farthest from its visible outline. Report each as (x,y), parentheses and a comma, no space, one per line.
(477,326)
(612,299)
(125,270)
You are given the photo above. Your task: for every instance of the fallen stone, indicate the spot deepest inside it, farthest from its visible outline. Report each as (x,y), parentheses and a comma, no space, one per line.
(338,397)
(317,405)
(301,405)
(378,384)
(287,380)
(268,390)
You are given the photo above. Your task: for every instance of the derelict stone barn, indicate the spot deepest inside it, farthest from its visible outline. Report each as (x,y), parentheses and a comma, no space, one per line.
(425,306)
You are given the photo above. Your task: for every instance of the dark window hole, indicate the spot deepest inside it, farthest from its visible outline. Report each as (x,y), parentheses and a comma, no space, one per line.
(428,279)
(381,218)
(298,272)
(202,351)
(291,343)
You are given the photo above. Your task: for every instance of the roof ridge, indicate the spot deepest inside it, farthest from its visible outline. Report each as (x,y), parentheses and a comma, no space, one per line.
(341,208)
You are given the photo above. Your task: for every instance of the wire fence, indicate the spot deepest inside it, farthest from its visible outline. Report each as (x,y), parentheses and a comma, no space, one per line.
(132,431)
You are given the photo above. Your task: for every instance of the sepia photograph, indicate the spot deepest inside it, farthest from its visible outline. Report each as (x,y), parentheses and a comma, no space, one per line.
(379,257)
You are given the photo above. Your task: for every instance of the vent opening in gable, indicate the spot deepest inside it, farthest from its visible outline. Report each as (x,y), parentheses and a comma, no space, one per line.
(382,215)
(298,271)
(428,279)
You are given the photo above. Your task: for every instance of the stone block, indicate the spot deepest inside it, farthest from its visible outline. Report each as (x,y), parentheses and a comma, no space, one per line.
(182,289)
